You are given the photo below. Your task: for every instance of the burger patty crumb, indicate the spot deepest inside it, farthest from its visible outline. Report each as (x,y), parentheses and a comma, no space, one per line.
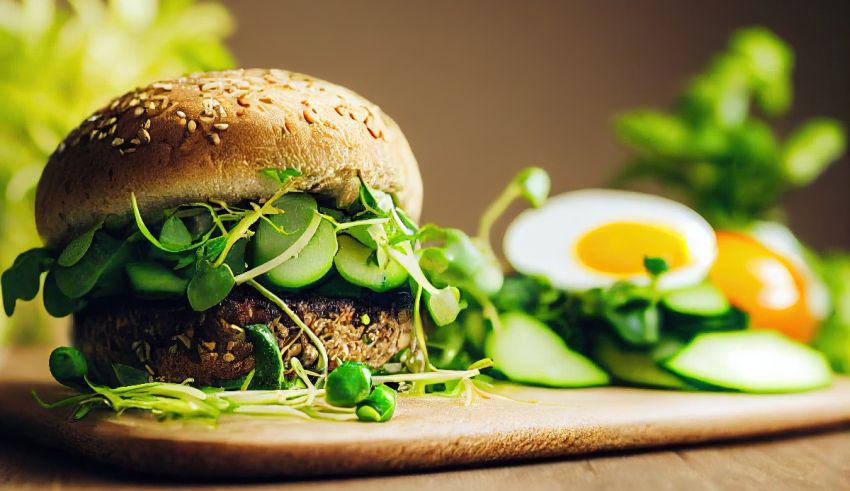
(176,343)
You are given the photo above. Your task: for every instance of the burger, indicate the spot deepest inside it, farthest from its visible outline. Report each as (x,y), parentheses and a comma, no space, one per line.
(185,212)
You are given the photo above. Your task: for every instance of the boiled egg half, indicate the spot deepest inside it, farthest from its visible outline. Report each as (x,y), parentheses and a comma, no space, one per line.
(593,238)
(763,271)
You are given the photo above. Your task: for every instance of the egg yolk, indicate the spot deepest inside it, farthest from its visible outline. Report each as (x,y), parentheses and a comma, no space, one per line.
(764,284)
(619,248)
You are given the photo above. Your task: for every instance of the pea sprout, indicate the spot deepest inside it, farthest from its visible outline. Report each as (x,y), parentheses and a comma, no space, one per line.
(532,183)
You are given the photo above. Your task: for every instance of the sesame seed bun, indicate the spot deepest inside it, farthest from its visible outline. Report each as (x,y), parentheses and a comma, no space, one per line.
(207,136)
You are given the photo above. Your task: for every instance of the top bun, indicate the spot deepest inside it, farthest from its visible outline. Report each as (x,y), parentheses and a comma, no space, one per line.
(208,136)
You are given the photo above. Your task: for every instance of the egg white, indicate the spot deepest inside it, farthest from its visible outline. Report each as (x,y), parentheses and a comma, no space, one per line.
(779,239)
(542,241)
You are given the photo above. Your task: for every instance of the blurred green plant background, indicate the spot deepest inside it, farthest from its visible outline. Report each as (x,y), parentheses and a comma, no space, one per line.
(718,153)
(59,61)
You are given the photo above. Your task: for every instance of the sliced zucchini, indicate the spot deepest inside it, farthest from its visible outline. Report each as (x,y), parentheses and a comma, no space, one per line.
(703,300)
(639,366)
(268,360)
(151,280)
(751,361)
(527,351)
(314,261)
(699,309)
(356,263)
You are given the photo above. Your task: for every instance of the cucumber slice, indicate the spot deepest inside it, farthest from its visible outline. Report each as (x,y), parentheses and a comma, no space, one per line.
(702,300)
(527,351)
(701,308)
(268,360)
(355,262)
(639,366)
(314,260)
(150,280)
(751,361)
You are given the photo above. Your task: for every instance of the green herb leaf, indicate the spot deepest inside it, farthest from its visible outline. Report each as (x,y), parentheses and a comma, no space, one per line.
(145,231)
(652,131)
(444,305)
(655,266)
(76,249)
(21,280)
(174,235)
(209,285)
(632,313)
(79,279)
(127,375)
(769,62)
(810,150)
(377,202)
(281,176)
(57,303)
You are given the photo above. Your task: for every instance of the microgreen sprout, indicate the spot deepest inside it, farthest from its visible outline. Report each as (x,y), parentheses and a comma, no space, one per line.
(532,183)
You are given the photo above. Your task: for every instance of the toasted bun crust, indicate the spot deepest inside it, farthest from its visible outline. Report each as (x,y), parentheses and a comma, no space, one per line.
(207,136)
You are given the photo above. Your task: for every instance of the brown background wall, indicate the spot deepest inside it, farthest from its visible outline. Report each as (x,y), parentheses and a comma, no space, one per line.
(482,88)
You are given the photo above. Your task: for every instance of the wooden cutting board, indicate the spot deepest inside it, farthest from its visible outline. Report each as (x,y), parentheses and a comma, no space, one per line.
(425,433)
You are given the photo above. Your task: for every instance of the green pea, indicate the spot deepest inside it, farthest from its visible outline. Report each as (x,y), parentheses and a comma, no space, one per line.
(379,406)
(348,384)
(68,366)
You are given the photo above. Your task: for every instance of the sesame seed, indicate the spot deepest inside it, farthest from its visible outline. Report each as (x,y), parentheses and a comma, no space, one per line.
(144,135)
(151,105)
(182,122)
(147,125)
(210,85)
(110,121)
(163,86)
(138,111)
(117,141)
(191,126)
(310,115)
(101,135)
(135,141)
(93,118)
(266,99)
(221,126)
(185,340)
(61,147)
(134,102)
(112,129)
(214,138)
(181,114)
(129,150)
(228,357)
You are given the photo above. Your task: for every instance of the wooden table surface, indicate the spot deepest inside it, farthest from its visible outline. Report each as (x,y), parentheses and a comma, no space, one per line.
(805,461)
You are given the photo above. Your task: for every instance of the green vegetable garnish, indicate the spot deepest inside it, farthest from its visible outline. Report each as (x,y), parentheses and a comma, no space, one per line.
(68,366)
(379,406)
(209,285)
(348,384)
